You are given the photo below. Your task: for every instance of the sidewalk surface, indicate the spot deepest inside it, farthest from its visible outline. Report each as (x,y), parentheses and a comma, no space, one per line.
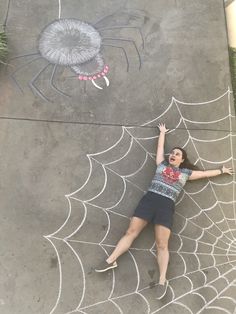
(86,85)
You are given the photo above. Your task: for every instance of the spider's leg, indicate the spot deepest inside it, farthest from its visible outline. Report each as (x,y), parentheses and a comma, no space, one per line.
(34,88)
(13,74)
(22,56)
(53,85)
(120,27)
(125,54)
(105,17)
(130,41)
(70,76)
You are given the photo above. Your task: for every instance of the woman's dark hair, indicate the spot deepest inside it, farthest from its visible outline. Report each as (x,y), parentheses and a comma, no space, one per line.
(186,163)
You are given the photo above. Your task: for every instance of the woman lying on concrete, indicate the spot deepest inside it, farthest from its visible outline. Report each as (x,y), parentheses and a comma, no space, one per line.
(158,205)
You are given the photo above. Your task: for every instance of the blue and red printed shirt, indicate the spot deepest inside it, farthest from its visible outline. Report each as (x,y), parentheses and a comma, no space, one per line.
(169,181)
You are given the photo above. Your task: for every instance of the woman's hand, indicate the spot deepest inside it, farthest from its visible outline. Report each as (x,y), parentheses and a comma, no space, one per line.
(162,128)
(227,170)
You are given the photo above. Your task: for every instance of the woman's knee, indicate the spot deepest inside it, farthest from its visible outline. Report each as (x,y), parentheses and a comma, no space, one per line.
(132,232)
(135,227)
(162,244)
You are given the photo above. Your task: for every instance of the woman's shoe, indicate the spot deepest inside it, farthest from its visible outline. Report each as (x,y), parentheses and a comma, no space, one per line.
(161,290)
(104,266)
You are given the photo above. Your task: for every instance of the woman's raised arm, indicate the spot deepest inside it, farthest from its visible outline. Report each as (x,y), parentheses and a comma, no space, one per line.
(161,142)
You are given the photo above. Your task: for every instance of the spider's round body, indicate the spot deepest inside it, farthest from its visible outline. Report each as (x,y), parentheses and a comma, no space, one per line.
(69,42)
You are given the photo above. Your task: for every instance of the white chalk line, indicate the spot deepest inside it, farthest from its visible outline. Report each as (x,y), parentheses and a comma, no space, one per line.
(232,153)
(216,297)
(135,186)
(202,103)
(204,211)
(60,275)
(190,292)
(59,9)
(199,155)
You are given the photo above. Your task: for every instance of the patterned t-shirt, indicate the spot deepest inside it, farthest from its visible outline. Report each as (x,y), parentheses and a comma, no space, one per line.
(169,181)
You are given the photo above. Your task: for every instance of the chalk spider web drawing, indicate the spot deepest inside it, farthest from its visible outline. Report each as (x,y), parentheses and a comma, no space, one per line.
(79,45)
(203,246)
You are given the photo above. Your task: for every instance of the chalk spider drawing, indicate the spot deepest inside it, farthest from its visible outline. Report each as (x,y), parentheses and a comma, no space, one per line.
(76,44)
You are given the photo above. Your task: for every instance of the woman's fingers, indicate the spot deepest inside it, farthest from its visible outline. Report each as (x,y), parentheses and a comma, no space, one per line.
(228,170)
(162,127)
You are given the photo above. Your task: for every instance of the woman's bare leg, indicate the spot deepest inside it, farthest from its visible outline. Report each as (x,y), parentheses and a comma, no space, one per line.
(162,235)
(136,226)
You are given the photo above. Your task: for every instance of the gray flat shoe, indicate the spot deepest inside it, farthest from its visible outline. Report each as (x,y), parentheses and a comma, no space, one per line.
(104,266)
(161,290)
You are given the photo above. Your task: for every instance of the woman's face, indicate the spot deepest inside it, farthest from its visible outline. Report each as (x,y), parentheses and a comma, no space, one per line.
(176,157)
